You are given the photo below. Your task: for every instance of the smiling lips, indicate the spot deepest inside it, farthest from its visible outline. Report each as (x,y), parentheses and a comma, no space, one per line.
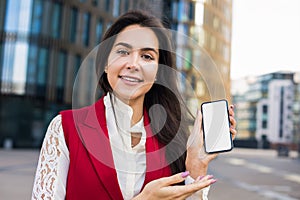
(131,79)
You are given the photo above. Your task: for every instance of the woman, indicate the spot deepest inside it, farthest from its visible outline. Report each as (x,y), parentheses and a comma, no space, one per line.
(119,148)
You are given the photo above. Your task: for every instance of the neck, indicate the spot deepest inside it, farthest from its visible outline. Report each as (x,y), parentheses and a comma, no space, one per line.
(137,106)
(137,112)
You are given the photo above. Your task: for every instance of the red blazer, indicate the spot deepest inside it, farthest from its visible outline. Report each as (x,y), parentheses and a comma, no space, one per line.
(91,172)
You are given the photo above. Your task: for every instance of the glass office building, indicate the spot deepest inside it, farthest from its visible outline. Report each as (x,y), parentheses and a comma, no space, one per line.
(205,71)
(44,42)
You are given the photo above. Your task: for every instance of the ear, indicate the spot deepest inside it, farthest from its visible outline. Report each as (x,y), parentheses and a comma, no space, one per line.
(105,69)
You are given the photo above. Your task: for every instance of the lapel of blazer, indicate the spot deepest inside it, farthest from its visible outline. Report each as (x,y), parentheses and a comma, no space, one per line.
(156,166)
(94,135)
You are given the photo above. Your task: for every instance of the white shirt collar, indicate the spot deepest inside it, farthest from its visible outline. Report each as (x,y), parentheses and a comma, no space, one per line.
(123,115)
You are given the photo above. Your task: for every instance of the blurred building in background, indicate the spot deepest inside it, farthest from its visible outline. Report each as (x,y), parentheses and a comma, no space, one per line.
(43,43)
(268,110)
(296,109)
(208,25)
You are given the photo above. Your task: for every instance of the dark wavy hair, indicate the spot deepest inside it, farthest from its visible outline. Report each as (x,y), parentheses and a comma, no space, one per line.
(172,131)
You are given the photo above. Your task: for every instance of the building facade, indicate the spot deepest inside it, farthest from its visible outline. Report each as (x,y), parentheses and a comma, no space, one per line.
(45,43)
(204,56)
(296,111)
(274,120)
(267,110)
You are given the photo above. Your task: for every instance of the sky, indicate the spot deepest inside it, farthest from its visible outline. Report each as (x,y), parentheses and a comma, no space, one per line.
(265,37)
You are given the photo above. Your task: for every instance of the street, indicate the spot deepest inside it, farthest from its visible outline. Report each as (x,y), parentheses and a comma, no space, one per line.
(250,174)
(246,174)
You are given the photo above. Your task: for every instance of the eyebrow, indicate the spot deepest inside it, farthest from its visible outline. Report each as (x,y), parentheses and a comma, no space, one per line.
(131,47)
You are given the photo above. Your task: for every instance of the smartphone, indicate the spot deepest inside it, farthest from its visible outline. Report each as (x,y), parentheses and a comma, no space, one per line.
(215,125)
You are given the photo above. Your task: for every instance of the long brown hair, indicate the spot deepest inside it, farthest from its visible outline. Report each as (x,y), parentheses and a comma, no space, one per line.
(172,131)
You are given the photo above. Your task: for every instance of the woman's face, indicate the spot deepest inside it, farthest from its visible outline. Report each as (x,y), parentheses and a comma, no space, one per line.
(133,62)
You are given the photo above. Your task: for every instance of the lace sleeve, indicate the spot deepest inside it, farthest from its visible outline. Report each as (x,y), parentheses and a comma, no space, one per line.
(52,169)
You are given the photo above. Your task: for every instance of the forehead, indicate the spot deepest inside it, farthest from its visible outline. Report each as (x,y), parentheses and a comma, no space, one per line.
(138,37)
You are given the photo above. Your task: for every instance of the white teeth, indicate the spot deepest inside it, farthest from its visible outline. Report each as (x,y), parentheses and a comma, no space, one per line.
(130,79)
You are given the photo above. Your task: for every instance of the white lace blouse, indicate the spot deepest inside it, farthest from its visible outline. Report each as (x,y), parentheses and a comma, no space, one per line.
(52,169)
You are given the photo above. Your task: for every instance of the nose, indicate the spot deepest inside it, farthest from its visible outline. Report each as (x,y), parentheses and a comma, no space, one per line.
(133,61)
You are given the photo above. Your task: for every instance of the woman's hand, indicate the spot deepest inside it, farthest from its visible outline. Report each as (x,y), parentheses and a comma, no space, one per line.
(197,159)
(164,188)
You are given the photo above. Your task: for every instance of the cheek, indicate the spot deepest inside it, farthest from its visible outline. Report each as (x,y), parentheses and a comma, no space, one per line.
(112,76)
(150,72)
(113,70)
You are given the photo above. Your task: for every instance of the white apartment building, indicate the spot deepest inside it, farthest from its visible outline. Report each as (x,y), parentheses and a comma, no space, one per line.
(275,112)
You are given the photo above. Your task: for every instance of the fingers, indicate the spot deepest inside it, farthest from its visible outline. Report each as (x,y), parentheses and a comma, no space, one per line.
(233,132)
(232,121)
(196,139)
(231,115)
(200,183)
(231,110)
(177,178)
(184,191)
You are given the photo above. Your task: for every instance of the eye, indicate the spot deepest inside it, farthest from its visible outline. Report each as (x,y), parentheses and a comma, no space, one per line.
(123,52)
(147,57)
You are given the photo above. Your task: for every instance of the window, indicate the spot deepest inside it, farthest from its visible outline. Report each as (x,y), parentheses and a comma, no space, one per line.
(7,67)
(182,79)
(42,66)
(199,13)
(182,35)
(61,69)
(265,109)
(126,5)
(264,124)
(188,59)
(200,88)
(37,16)
(18,15)
(86,29)
(20,67)
(216,23)
(95,2)
(174,26)
(116,8)
(226,52)
(32,69)
(43,60)
(174,10)
(1,57)
(193,82)
(56,20)
(77,64)
(107,5)
(179,58)
(191,10)
(99,31)
(60,76)
(213,43)
(73,22)
(183,11)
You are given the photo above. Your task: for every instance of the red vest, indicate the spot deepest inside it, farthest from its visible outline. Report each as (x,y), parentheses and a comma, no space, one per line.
(91,172)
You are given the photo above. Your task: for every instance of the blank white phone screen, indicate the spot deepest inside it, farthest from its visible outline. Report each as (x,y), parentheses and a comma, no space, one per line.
(217,137)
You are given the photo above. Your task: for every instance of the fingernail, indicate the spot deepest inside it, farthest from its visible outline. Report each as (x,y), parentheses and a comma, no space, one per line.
(199,178)
(209,176)
(213,181)
(185,174)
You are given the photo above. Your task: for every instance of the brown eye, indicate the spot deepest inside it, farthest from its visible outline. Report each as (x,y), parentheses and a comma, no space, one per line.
(123,52)
(147,57)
